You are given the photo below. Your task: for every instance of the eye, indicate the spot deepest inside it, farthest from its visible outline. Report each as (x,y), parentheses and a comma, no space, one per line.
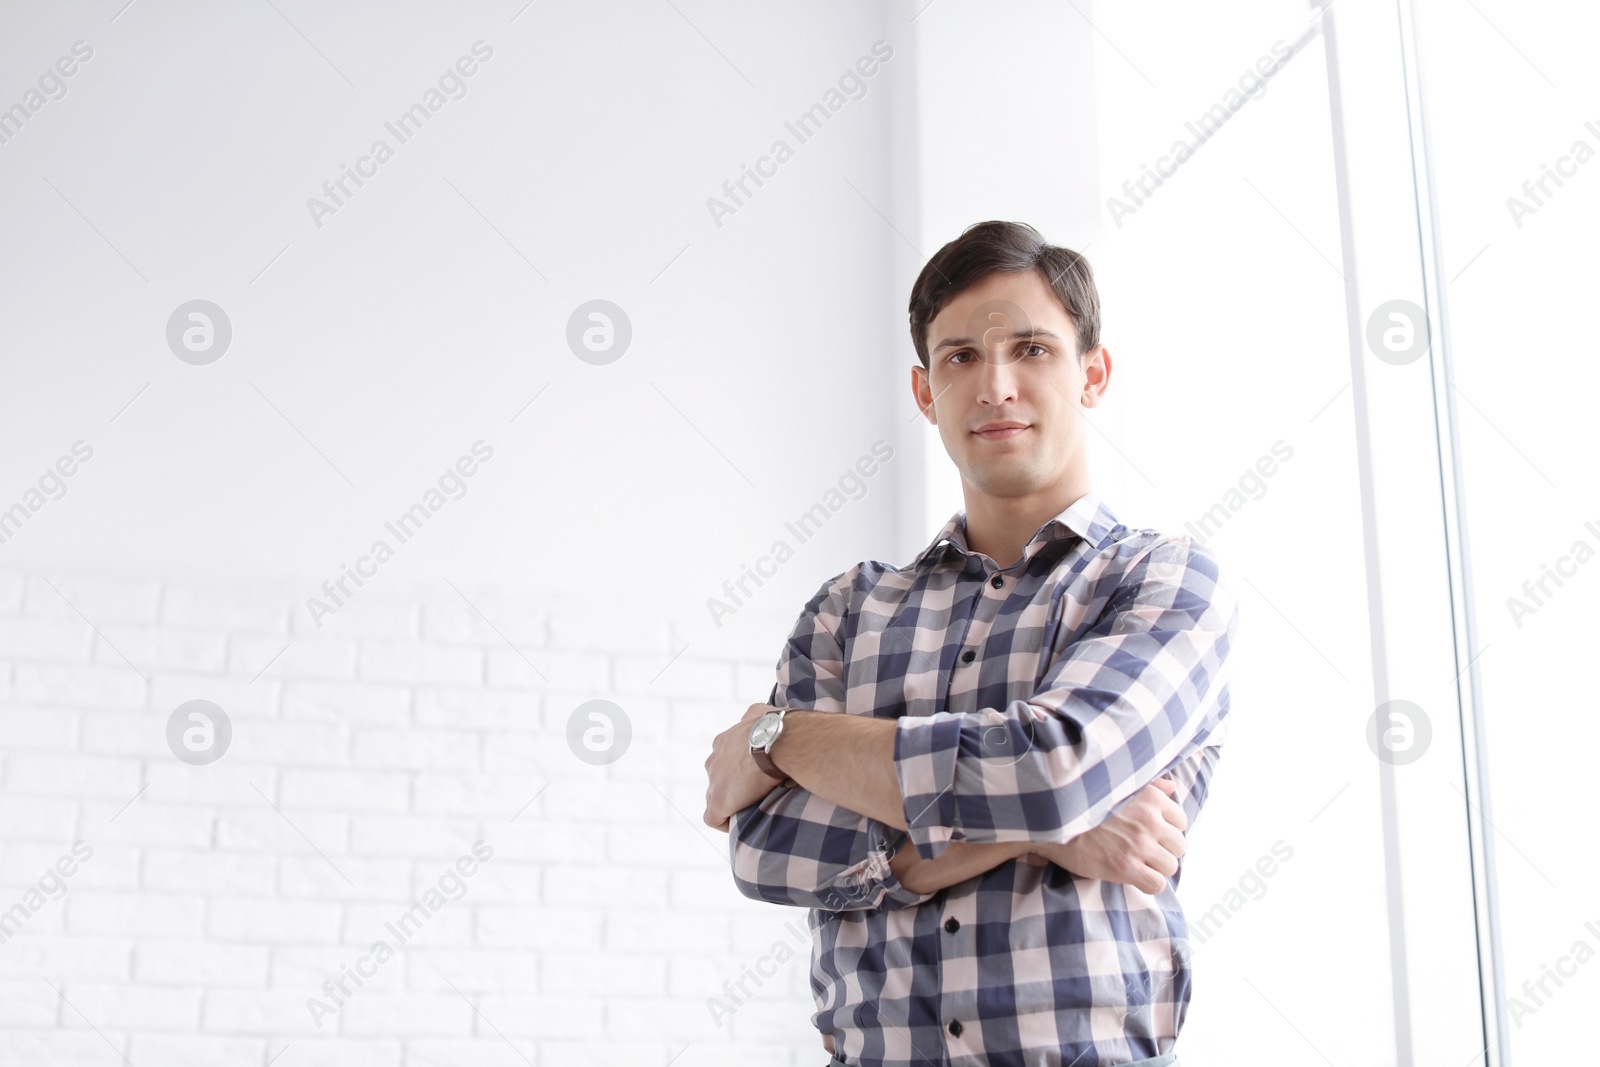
(1043,351)
(955,357)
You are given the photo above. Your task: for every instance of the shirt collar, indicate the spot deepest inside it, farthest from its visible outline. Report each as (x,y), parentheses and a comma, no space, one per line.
(1088,517)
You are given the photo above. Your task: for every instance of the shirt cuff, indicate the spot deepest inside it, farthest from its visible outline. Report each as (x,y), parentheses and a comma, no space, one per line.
(871,883)
(925,749)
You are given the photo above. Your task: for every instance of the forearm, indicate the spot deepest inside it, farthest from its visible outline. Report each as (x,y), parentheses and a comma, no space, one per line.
(848,759)
(959,862)
(1035,772)
(1134,691)
(799,849)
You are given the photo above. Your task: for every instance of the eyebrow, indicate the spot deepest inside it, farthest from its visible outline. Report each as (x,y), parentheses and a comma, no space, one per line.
(1019,335)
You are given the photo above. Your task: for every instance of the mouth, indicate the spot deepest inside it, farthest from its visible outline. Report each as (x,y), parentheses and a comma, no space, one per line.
(1001,431)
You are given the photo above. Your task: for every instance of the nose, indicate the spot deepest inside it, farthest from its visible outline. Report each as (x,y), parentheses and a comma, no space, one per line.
(998,378)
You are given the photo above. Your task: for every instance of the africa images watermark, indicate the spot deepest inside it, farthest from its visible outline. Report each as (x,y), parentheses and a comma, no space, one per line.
(1582,952)
(199,732)
(765,967)
(852,485)
(52,86)
(52,486)
(852,86)
(599,732)
(403,528)
(1252,886)
(406,126)
(52,885)
(1252,85)
(403,928)
(1566,567)
(1252,484)
(1566,166)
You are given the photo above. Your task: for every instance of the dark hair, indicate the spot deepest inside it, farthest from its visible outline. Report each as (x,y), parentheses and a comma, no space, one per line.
(986,248)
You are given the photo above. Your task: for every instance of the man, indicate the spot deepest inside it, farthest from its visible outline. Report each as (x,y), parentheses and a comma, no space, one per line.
(1034,704)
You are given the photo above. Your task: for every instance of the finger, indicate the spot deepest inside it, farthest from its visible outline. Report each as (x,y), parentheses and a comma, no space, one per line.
(1150,796)
(1163,861)
(1173,812)
(1168,787)
(1141,878)
(1172,841)
(1153,882)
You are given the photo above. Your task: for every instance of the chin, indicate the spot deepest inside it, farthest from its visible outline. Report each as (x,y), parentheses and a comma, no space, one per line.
(1018,479)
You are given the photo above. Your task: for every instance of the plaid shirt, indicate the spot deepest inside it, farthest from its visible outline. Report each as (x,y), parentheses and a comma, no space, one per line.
(1030,702)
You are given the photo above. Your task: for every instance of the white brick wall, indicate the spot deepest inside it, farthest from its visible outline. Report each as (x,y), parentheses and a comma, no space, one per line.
(365,759)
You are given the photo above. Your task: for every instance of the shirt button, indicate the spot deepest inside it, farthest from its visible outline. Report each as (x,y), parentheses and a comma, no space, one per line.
(951,925)
(968,656)
(955,1027)
(997,581)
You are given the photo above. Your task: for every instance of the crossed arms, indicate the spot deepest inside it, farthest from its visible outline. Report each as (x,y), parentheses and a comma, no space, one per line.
(1138,695)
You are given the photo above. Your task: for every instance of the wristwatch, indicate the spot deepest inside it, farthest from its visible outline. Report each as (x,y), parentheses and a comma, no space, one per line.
(763,735)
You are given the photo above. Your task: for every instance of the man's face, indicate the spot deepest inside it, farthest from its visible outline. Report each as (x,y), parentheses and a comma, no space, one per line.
(1005,386)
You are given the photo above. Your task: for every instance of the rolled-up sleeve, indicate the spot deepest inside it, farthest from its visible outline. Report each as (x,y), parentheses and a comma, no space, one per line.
(793,847)
(1193,779)
(1129,699)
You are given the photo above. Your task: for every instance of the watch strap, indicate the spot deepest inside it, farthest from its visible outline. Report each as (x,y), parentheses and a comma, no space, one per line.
(764,761)
(761,755)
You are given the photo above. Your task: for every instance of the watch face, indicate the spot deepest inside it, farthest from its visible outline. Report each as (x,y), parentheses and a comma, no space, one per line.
(765,729)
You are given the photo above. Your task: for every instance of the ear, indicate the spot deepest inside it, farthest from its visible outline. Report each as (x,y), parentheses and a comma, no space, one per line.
(1096,375)
(922,393)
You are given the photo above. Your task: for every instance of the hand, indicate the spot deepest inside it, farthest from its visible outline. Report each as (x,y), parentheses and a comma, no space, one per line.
(1139,846)
(735,780)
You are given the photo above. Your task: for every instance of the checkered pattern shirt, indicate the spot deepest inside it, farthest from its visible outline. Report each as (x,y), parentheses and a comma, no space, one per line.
(1030,702)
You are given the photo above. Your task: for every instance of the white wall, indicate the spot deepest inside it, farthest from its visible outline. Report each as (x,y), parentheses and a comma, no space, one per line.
(433,306)
(217,899)
(367,355)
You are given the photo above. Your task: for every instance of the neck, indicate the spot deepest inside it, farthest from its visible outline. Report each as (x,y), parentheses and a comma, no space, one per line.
(999,527)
